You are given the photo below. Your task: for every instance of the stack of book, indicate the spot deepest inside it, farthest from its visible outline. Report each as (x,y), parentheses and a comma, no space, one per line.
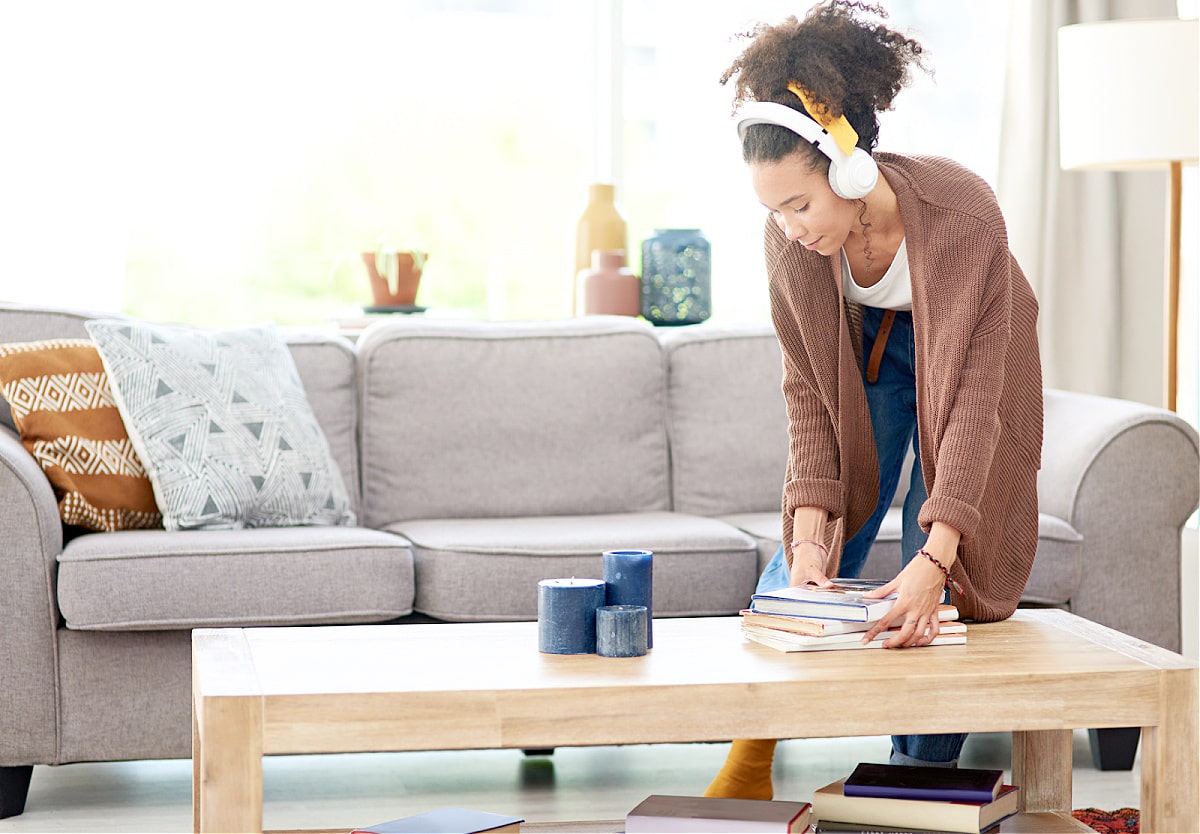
(811,619)
(879,797)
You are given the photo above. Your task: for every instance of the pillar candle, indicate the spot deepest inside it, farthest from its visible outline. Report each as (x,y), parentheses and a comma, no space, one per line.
(621,630)
(567,615)
(628,576)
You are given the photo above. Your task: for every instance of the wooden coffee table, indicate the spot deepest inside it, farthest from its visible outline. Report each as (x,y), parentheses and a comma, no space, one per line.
(343,689)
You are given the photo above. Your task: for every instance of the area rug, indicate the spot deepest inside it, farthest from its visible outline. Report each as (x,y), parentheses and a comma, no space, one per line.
(1120,821)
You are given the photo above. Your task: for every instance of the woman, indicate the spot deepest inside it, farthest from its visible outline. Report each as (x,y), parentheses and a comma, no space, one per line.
(902,317)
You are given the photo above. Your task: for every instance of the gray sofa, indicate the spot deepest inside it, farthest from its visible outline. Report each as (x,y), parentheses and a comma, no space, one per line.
(482,457)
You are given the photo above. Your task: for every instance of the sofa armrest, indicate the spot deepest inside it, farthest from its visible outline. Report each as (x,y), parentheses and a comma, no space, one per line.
(32,540)
(1126,476)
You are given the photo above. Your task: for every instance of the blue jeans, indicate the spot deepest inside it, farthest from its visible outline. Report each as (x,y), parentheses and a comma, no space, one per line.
(892,400)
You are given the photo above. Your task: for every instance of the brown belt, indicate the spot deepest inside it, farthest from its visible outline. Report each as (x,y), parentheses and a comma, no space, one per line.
(885,327)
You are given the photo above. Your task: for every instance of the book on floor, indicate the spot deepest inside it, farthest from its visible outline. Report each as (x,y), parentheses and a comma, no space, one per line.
(447,821)
(843,601)
(821,626)
(831,803)
(951,634)
(711,815)
(961,784)
(830,826)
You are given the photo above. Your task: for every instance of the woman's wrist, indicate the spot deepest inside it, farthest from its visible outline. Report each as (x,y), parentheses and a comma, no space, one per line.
(943,568)
(814,543)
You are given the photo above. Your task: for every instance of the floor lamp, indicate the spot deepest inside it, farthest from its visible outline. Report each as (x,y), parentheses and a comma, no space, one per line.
(1127,94)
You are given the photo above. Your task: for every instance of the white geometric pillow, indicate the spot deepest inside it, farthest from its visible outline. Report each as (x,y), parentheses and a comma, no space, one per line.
(222,425)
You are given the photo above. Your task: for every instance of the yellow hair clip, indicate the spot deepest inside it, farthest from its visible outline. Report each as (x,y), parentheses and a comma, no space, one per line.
(840,129)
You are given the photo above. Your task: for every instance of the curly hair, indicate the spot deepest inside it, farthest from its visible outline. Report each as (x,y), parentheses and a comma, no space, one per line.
(849,64)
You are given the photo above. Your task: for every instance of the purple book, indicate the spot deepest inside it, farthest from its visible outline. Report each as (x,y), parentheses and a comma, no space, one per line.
(950,784)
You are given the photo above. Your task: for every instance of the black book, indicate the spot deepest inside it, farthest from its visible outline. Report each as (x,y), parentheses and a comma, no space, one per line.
(950,784)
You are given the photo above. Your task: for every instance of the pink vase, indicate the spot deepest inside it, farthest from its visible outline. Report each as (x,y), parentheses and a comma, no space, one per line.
(609,287)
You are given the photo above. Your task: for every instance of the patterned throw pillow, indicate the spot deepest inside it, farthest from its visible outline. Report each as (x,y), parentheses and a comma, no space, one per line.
(222,423)
(62,406)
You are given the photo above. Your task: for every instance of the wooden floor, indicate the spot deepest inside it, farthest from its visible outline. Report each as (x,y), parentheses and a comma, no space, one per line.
(343,791)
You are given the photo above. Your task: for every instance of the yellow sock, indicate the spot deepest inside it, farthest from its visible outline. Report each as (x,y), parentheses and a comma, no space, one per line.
(746,773)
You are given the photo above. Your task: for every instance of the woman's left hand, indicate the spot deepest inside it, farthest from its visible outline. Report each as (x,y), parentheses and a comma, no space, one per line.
(919,590)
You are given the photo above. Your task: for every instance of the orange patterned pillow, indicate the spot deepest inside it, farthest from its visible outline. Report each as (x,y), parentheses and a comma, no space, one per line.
(62,406)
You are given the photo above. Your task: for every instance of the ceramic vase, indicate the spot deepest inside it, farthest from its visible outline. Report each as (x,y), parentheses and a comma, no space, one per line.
(600,227)
(609,287)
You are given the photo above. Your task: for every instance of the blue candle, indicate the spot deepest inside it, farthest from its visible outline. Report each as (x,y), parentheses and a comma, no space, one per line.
(621,630)
(567,615)
(628,579)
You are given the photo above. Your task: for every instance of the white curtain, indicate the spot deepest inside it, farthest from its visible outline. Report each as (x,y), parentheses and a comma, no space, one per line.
(1092,244)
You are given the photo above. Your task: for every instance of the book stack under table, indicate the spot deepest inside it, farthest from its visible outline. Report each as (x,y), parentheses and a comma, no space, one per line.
(879,797)
(660,814)
(809,618)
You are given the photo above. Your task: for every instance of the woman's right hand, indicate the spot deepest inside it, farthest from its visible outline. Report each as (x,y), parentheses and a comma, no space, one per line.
(808,565)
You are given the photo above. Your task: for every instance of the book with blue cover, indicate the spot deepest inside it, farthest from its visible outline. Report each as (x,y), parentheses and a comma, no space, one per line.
(952,784)
(842,601)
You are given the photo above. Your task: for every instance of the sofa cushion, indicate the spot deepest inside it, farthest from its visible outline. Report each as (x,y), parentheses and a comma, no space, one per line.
(63,407)
(222,424)
(326,364)
(765,528)
(471,570)
(156,579)
(1058,567)
(509,419)
(726,419)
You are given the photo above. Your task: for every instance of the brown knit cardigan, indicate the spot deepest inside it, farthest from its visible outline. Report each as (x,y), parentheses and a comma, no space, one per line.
(978,379)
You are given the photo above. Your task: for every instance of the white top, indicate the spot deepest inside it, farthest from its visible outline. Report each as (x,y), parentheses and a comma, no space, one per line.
(892,292)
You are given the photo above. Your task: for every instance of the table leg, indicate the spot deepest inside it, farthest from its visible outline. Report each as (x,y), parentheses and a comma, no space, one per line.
(196,753)
(1170,797)
(227,765)
(1041,765)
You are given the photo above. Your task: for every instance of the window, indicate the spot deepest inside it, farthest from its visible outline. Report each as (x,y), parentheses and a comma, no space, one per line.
(227,162)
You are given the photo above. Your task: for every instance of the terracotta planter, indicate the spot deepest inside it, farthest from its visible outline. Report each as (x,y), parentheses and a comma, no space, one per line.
(399,288)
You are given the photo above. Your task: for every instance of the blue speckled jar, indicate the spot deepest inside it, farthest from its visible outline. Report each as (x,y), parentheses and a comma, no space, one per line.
(676,277)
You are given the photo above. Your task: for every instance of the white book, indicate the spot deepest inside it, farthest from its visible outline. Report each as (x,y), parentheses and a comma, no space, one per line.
(818,626)
(825,644)
(830,639)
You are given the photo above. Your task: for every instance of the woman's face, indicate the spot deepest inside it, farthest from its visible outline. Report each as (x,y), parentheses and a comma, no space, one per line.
(803,204)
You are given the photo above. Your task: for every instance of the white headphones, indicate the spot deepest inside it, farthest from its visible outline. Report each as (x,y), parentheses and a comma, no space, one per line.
(850,177)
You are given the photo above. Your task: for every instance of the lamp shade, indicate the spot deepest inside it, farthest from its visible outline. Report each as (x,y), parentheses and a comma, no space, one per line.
(1128,93)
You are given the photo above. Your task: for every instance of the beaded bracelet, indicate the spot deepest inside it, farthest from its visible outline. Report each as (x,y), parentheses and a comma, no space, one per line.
(945,570)
(797,542)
